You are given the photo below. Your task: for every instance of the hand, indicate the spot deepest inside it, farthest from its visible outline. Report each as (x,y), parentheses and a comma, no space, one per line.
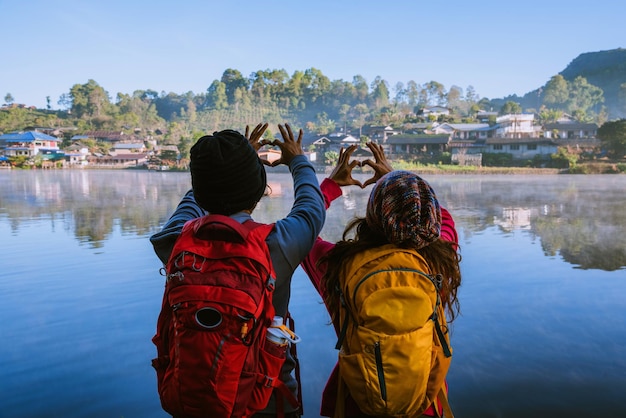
(381,166)
(256,134)
(289,148)
(342,173)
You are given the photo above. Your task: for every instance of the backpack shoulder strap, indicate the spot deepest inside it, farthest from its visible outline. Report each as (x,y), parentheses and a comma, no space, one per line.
(442,396)
(225,228)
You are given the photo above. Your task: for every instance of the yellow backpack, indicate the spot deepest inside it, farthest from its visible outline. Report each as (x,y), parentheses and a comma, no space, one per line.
(395,349)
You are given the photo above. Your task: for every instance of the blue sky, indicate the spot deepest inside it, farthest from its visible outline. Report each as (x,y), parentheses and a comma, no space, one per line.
(498,47)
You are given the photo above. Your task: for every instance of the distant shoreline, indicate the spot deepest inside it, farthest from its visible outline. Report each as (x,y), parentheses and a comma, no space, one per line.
(585,168)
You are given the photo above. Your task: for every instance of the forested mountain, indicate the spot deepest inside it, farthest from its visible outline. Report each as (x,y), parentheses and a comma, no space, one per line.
(603,69)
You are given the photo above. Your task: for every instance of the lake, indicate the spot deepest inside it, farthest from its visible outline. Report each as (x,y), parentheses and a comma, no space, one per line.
(542,330)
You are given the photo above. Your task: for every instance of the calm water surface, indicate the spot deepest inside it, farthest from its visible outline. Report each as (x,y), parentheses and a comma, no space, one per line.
(542,331)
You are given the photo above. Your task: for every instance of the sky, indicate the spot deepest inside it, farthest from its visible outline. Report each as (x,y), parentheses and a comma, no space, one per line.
(499,48)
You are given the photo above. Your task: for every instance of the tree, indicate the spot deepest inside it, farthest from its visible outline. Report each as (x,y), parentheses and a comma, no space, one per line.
(435,93)
(331,157)
(89,100)
(65,101)
(400,93)
(360,85)
(583,96)
(380,93)
(455,100)
(412,93)
(621,97)
(511,108)
(8,99)
(613,137)
(556,92)
(361,112)
(471,97)
(216,96)
(234,81)
(344,110)
(324,125)
(549,115)
(316,86)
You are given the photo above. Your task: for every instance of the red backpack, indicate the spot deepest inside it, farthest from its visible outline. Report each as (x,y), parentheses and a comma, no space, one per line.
(213,355)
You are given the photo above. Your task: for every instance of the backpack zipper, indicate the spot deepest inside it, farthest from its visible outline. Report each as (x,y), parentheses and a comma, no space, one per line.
(379,369)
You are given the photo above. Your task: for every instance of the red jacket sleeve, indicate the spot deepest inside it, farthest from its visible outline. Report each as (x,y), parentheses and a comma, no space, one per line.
(330,190)
(448,228)
(311,265)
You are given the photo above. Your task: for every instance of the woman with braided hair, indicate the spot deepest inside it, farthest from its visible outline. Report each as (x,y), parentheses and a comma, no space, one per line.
(402,212)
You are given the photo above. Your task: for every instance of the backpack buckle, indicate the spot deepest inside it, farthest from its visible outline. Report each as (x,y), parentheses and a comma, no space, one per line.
(268,382)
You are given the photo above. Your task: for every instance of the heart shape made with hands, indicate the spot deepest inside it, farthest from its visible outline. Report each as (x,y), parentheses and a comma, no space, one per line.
(370,180)
(342,174)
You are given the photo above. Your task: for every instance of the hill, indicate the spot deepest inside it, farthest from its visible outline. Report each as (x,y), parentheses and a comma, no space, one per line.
(603,69)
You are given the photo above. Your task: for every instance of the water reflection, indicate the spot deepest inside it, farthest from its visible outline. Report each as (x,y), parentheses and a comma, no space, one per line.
(579,218)
(537,336)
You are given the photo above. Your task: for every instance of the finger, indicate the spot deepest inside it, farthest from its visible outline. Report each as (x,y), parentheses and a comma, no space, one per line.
(289,131)
(367,162)
(282,130)
(260,129)
(350,150)
(376,150)
(343,156)
(368,182)
(276,143)
(299,141)
(254,132)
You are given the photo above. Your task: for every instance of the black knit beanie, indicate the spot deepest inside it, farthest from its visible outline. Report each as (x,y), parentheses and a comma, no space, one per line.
(227,175)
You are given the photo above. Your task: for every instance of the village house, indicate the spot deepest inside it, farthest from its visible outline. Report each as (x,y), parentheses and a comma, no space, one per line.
(28,143)
(322,144)
(118,161)
(420,144)
(128,148)
(378,133)
(169,152)
(107,136)
(522,148)
(570,130)
(464,130)
(467,151)
(483,116)
(517,126)
(433,112)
